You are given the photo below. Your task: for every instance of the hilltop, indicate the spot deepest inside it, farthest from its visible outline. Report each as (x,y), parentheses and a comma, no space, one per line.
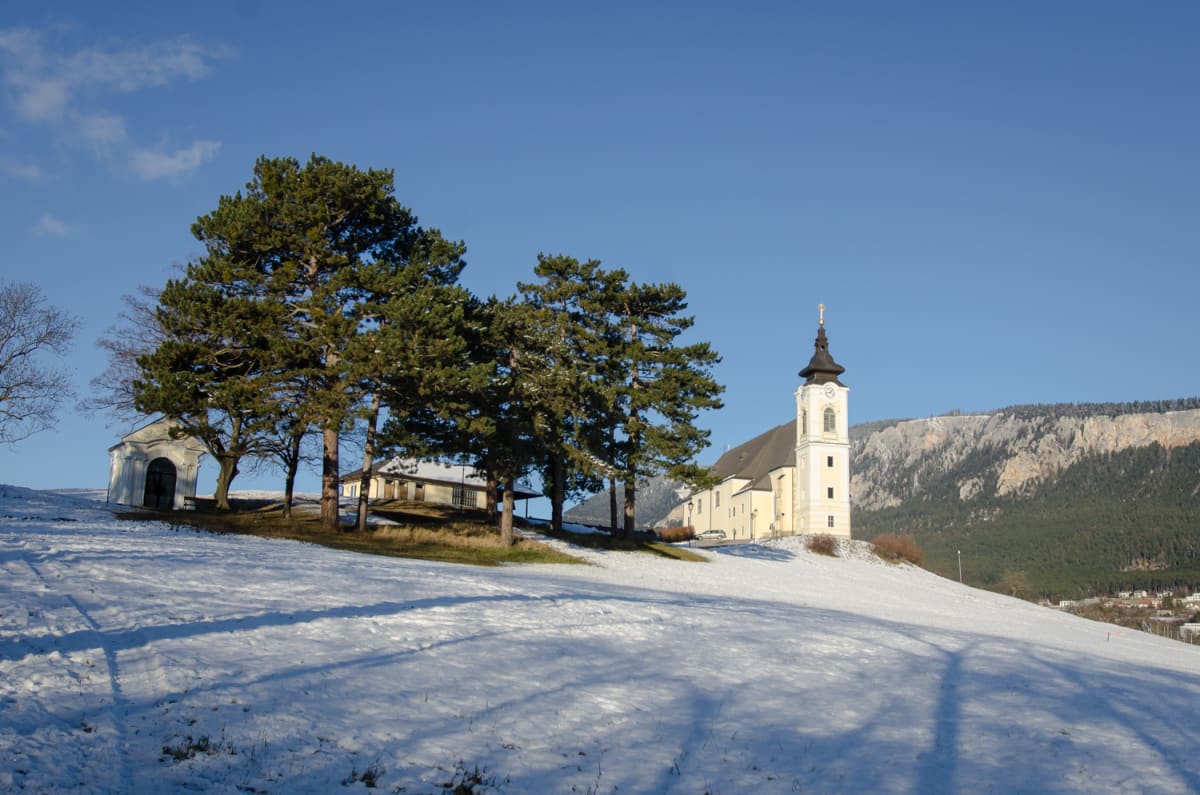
(142,657)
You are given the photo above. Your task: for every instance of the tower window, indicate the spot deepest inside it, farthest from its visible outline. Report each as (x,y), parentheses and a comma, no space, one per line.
(717,497)
(829,461)
(829,492)
(829,522)
(804,421)
(830,421)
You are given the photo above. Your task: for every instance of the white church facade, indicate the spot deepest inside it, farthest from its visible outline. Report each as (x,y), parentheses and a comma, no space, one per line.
(795,478)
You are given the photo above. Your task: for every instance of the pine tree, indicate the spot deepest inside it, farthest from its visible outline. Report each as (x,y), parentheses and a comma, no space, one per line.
(212,370)
(321,256)
(658,387)
(564,327)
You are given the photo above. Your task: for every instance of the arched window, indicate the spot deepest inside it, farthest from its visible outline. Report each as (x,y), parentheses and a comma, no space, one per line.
(830,421)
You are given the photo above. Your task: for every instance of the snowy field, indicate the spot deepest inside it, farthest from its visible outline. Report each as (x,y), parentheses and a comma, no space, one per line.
(140,658)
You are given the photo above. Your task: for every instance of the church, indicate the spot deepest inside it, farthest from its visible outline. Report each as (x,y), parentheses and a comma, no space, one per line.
(795,478)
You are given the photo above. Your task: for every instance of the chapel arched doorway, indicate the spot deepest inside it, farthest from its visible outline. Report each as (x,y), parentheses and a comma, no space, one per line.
(160,484)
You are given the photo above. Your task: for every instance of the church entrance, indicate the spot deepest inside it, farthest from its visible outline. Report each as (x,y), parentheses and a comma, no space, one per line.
(160,484)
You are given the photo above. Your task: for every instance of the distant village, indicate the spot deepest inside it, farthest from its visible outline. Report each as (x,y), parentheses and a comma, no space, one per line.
(1162,613)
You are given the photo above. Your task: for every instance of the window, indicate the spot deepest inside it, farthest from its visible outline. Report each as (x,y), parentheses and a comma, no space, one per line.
(804,421)
(717,499)
(699,507)
(464,497)
(829,461)
(830,421)
(830,522)
(829,492)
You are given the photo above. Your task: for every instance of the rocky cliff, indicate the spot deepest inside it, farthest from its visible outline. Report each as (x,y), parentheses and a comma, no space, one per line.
(1009,452)
(1041,500)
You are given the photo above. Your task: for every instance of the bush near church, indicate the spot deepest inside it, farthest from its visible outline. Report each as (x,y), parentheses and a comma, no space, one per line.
(897,548)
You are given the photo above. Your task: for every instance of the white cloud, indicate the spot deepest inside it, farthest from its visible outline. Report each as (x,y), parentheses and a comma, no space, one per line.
(65,91)
(50,226)
(131,69)
(150,165)
(102,131)
(22,170)
(43,100)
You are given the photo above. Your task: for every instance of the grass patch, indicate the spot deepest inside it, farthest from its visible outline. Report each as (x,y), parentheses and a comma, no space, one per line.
(426,532)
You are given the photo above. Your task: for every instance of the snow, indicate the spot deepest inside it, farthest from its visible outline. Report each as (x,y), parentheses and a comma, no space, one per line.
(142,657)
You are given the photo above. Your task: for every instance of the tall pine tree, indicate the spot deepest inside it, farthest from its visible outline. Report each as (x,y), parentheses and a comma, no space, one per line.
(326,252)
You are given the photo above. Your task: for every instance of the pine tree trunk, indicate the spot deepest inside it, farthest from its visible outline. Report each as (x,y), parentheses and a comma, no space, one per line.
(329,480)
(489,500)
(364,485)
(630,508)
(612,505)
(225,474)
(558,472)
(293,465)
(506,516)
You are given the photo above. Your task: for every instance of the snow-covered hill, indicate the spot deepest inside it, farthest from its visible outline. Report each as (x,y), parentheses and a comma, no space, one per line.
(142,658)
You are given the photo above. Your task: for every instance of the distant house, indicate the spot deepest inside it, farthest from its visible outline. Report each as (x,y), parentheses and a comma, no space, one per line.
(149,468)
(457,485)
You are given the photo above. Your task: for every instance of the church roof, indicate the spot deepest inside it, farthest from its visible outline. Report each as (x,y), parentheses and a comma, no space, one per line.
(756,459)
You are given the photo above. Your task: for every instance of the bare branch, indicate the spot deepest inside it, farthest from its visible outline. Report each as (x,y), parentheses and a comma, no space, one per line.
(30,392)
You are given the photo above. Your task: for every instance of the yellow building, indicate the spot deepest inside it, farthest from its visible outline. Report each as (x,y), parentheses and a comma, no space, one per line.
(795,478)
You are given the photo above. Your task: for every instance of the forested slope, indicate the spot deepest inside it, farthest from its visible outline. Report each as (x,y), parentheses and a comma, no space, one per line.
(1057,500)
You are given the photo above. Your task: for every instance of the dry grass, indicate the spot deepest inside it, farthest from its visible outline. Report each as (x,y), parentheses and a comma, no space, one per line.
(425,531)
(822,544)
(413,530)
(674,535)
(895,548)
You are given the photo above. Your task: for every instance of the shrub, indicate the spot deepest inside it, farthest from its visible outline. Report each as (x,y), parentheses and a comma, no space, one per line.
(894,548)
(822,544)
(675,534)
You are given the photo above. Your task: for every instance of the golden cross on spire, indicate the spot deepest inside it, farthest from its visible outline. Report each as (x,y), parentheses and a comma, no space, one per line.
(821,310)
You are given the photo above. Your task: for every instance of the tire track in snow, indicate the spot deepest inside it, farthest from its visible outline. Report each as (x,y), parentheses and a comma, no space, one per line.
(119,707)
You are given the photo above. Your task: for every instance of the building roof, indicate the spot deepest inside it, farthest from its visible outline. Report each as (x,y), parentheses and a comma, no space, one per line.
(157,432)
(438,472)
(756,459)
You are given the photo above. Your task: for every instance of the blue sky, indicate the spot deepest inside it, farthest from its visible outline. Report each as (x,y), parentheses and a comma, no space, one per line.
(997,202)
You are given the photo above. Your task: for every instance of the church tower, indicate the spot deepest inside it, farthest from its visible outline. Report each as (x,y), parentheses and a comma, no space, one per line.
(822,444)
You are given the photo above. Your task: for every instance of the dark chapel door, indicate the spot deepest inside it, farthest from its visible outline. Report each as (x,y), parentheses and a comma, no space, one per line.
(160,484)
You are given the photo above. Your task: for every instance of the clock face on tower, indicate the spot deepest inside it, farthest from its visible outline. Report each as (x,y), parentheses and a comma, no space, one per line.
(830,391)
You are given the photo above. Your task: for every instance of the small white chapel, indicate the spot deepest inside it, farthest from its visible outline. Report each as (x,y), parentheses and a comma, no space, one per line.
(795,478)
(151,468)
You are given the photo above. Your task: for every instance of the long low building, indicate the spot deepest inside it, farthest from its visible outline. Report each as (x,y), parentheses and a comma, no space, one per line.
(457,485)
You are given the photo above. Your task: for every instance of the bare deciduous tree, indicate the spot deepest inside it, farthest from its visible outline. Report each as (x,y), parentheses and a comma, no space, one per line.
(136,332)
(31,390)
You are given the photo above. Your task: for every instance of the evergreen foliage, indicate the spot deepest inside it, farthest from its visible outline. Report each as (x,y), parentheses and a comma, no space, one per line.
(316,289)
(1119,521)
(319,304)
